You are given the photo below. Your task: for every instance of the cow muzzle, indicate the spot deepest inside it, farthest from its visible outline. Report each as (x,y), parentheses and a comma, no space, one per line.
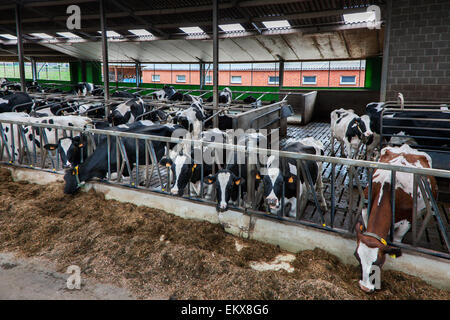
(366,287)
(273,203)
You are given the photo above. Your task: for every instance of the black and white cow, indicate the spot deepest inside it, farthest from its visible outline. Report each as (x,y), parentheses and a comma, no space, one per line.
(96,165)
(284,174)
(84,88)
(191,118)
(164,94)
(127,112)
(21,100)
(414,127)
(350,130)
(225,96)
(230,183)
(124,94)
(73,150)
(56,108)
(30,133)
(186,165)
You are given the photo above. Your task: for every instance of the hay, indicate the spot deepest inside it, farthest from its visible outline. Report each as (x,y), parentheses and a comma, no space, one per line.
(153,253)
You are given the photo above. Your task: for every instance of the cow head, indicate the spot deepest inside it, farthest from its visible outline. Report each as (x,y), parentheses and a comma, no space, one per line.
(226,185)
(70,150)
(72,179)
(180,171)
(370,252)
(273,183)
(358,127)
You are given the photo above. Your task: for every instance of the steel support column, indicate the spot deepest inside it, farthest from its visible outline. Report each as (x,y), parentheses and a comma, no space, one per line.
(387,41)
(138,74)
(202,75)
(216,59)
(20,46)
(34,69)
(104,51)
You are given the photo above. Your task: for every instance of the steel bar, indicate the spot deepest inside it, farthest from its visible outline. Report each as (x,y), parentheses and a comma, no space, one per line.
(19,35)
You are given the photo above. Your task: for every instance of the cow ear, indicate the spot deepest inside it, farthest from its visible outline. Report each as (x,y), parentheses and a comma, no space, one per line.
(209,179)
(257,174)
(239,180)
(393,251)
(166,162)
(51,146)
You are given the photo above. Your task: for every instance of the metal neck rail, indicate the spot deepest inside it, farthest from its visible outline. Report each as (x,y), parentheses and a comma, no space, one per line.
(122,161)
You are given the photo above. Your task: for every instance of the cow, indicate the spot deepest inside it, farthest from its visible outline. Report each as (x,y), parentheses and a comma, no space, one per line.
(230,182)
(249,100)
(124,94)
(83,88)
(164,94)
(127,112)
(225,96)
(72,150)
(350,130)
(285,175)
(371,245)
(96,165)
(32,135)
(412,127)
(191,118)
(21,101)
(56,108)
(185,168)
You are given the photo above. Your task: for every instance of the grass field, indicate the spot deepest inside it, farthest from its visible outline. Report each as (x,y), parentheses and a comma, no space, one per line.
(51,71)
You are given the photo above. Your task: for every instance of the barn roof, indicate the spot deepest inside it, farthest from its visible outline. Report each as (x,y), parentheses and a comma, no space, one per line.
(317,30)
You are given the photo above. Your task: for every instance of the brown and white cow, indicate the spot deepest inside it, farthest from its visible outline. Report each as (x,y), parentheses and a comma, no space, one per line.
(371,244)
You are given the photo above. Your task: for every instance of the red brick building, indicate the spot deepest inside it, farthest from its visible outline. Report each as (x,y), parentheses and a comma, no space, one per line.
(296,74)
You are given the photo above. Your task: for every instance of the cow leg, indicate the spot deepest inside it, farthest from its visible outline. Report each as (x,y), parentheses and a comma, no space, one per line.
(195,189)
(303,201)
(400,229)
(343,150)
(291,207)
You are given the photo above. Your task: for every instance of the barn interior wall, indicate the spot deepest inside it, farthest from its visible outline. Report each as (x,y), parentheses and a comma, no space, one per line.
(419,58)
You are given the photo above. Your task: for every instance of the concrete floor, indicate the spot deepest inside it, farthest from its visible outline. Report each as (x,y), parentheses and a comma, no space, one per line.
(35,278)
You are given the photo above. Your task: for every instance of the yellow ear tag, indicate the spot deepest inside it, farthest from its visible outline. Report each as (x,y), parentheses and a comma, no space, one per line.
(361,227)
(383,241)
(81,145)
(291,180)
(210,181)
(194,166)
(258,177)
(237,182)
(393,256)
(168,165)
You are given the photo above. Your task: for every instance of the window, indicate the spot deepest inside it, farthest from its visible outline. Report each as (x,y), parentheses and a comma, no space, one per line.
(274,80)
(181,78)
(309,79)
(348,79)
(156,78)
(236,79)
(208,79)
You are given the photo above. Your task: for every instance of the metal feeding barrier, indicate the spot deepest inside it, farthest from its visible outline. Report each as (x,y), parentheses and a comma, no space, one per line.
(148,174)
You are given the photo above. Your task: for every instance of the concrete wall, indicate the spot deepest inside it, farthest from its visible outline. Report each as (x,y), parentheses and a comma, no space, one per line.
(419,58)
(329,100)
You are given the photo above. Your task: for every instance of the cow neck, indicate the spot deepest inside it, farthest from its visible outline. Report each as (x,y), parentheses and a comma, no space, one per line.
(380,218)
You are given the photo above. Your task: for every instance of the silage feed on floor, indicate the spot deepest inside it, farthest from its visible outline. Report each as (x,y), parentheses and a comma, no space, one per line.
(155,254)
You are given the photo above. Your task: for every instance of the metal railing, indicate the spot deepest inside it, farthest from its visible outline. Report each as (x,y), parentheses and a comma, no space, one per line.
(146,159)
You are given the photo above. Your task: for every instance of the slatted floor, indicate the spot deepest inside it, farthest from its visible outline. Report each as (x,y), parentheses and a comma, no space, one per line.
(432,238)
